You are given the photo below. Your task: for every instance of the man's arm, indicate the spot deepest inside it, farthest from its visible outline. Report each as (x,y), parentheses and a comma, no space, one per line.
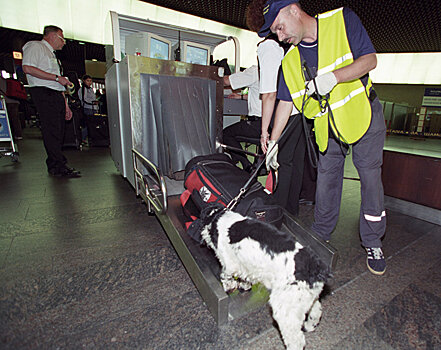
(38,73)
(268,102)
(357,69)
(326,82)
(227,80)
(283,112)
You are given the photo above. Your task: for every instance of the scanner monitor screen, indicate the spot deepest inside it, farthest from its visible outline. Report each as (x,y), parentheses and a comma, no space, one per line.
(148,45)
(196,53)
(159,48)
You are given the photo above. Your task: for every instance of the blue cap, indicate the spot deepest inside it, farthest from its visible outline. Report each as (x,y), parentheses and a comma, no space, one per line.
(270,12)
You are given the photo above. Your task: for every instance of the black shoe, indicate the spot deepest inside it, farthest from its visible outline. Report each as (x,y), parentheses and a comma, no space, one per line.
(71,170)
(375,261)
(65,172)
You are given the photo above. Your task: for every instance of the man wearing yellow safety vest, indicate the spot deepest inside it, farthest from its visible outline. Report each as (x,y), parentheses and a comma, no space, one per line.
(325,74)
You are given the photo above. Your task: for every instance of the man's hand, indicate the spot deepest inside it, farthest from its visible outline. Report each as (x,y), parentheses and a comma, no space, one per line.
(63,81)
(68,115)
(325,83)
(271,157)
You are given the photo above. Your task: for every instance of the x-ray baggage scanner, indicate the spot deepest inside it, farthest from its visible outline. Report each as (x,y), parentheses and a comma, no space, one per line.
(162,113)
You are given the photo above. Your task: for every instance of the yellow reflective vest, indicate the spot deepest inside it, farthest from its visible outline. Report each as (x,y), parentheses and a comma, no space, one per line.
(348,101)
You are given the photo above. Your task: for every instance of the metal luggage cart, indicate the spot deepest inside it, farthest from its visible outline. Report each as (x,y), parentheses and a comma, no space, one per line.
(7,146)
(200,262)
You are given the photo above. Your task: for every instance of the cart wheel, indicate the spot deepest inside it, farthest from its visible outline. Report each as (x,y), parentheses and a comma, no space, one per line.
(14,157)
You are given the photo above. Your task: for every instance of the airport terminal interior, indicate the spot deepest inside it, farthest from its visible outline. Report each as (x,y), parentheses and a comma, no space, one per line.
(92,263)
(83,265)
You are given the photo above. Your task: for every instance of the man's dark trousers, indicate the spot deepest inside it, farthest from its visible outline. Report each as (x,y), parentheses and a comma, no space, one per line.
(291,158)
(51,108)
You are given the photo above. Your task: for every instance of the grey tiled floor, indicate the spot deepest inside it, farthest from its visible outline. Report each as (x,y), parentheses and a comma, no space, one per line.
(83,265)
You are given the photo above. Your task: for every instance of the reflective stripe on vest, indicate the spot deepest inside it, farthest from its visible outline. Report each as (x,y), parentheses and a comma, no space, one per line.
(334,52)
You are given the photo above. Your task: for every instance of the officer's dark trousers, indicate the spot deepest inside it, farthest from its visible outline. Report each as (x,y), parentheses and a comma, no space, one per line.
(51,108)
(367,155)
(309,181)
(291,158)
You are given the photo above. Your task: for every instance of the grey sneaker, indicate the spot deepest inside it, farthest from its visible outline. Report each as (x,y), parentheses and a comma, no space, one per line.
(375,261)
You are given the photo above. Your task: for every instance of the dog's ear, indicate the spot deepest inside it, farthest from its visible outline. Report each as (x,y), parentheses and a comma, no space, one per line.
(209,217)
(210,211)
(309,268)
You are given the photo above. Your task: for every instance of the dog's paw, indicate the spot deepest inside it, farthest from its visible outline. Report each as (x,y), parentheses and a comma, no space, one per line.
(309,326)
(230,287)
(245,285)
(230,284)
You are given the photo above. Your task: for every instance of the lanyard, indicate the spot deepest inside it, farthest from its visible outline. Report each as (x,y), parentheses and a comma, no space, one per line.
(59,64)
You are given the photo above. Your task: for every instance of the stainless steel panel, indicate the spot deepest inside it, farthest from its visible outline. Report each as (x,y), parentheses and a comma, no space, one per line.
(125,118)
(119,119)
(235,107)
(112,83)
(307,238)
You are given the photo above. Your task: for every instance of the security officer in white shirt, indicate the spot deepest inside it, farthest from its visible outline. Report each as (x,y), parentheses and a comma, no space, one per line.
(43,72)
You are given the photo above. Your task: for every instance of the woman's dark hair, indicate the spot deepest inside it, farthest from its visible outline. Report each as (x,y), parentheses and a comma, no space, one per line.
(254,15)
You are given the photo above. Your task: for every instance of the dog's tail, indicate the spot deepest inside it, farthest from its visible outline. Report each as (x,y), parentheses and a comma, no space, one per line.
(309,267)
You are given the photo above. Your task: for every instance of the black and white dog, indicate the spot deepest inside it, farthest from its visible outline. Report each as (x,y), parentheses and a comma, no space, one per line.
(252,251)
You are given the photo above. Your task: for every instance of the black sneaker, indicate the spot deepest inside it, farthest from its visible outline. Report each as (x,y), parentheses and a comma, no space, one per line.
(70,172)
(375,261)
(64,172)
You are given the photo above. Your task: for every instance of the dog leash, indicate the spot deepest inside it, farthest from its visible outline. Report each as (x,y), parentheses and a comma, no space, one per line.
(255,173)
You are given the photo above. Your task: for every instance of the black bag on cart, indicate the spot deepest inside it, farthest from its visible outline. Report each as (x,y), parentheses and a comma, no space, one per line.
(98,130)
(215,178)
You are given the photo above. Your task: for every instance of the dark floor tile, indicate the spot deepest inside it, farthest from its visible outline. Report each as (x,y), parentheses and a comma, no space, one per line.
(431,280)
(85,320)
(27,297)
(411,320)
(362,339)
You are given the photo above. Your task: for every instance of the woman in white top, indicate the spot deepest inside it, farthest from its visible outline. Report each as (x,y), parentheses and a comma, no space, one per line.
(292,146)
(249,128)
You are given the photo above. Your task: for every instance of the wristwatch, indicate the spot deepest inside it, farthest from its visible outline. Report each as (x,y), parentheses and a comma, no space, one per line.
(56,78)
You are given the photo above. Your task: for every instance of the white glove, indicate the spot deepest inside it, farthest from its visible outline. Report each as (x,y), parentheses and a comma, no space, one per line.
(271,156)
(325,83)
